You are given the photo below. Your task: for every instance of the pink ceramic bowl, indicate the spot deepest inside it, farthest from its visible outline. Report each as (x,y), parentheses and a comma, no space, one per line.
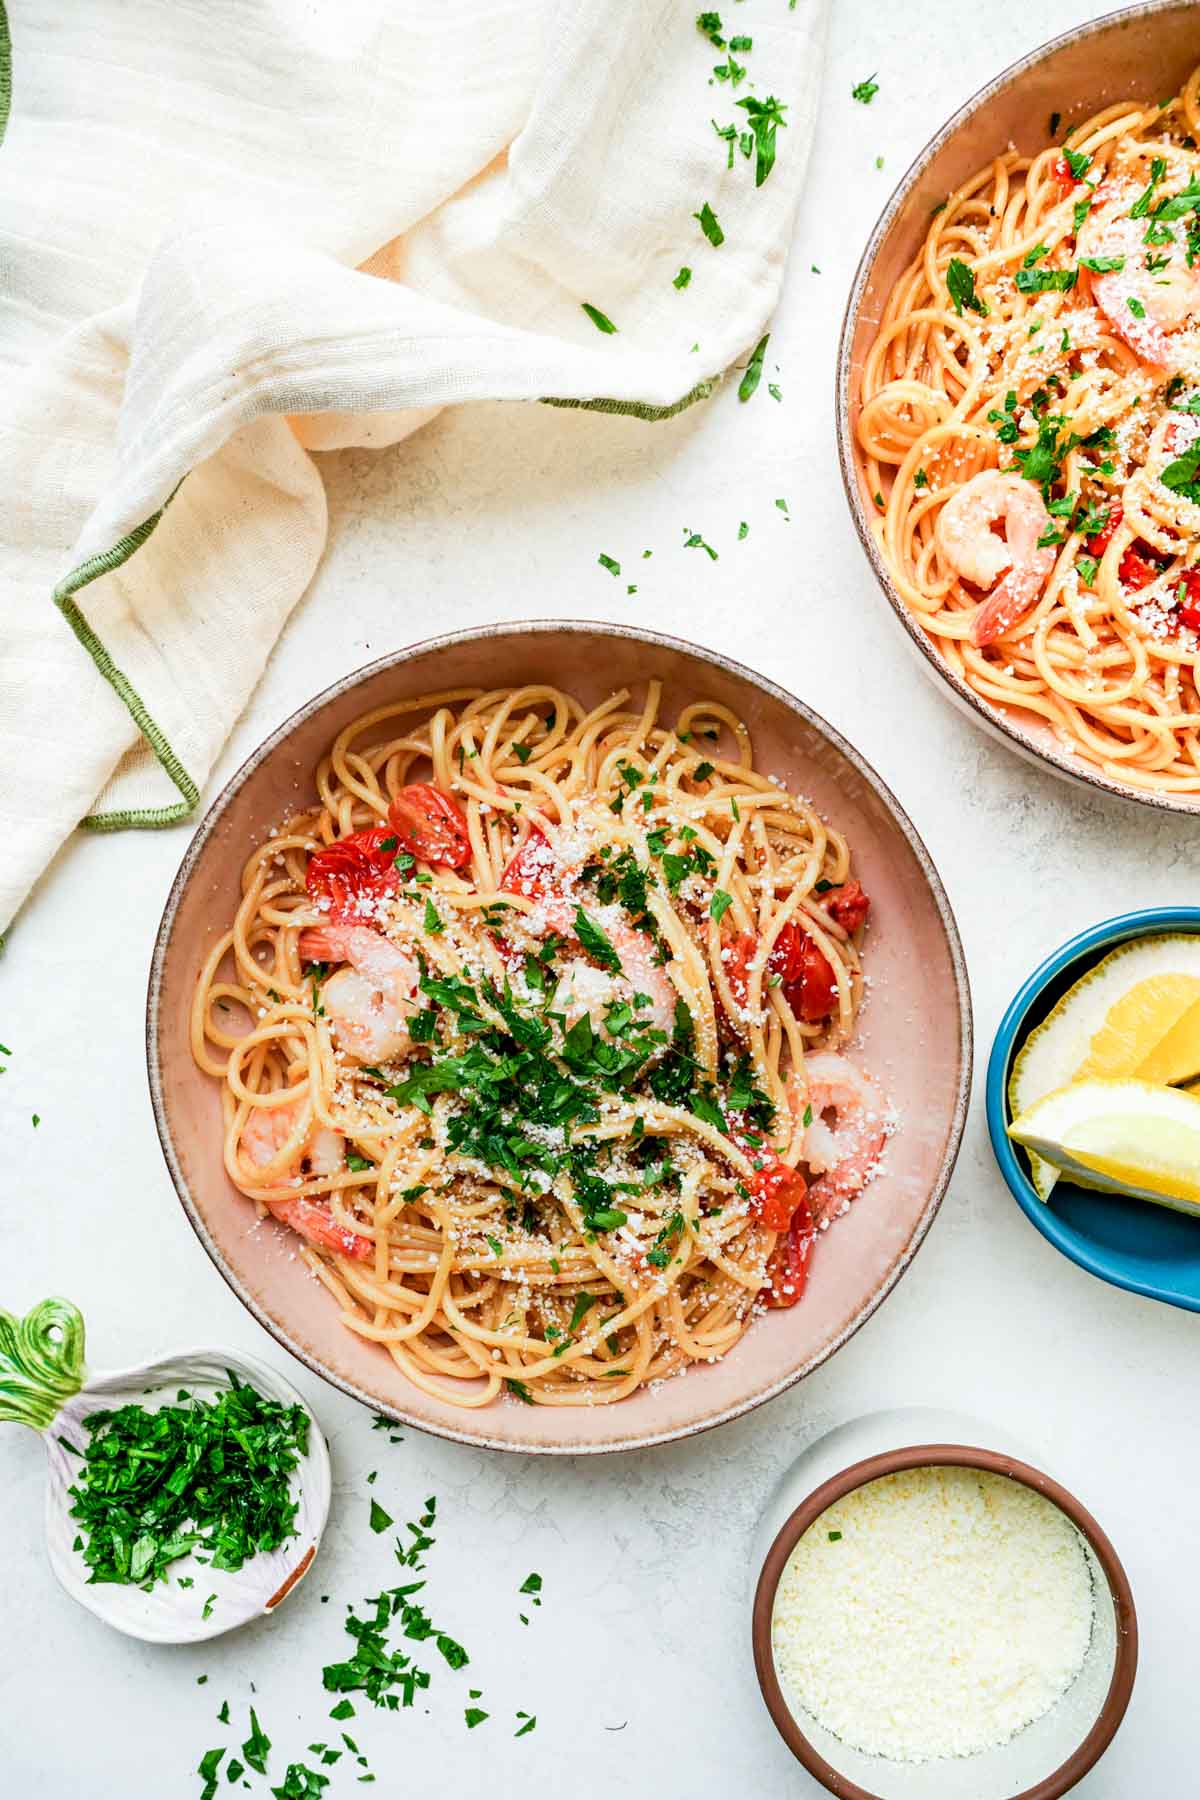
(916,1034)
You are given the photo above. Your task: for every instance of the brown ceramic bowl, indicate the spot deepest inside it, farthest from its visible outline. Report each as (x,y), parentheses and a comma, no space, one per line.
(917,1034)
(1045,1760)
(1142,50)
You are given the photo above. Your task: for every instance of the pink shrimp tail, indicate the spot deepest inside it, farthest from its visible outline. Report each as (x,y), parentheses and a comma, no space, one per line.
(1007,603)
(1146,339)
(317,1224)
(326,943)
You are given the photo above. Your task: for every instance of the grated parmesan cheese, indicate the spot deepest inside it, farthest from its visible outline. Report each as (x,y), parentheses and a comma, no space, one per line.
(936,1612)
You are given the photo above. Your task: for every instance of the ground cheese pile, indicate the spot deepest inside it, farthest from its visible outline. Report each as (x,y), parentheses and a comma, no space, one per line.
(935,1612)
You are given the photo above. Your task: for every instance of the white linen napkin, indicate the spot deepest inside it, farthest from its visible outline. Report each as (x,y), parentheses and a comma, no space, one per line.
(236,232)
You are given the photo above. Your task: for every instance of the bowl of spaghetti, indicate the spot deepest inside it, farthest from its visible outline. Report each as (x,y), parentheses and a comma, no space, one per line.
(1019,405)
(558,1037)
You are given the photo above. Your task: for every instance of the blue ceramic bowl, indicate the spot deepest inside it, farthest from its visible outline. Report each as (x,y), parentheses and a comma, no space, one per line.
(1148,1249)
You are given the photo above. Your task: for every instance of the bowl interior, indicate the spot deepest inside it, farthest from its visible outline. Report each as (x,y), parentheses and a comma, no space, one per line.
(1152,1250)
(915,1037)
(1144,51)
(1049,1755)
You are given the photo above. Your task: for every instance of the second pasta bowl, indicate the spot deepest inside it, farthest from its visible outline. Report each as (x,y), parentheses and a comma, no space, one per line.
(520,1140)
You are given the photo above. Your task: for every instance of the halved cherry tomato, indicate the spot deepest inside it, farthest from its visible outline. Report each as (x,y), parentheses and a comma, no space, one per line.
(1061,171)
(530,870)
(787,1269)
(776,1191)
(430,826)
(809,983)
(1137,570)
(807,977)
(1098,543)
(849,906)
(354,869)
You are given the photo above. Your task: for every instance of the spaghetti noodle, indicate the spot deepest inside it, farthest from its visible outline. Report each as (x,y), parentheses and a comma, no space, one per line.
(1030,434)
(530,1026)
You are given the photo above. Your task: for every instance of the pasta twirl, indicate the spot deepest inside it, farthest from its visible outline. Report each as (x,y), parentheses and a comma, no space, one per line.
(531,1025)
(1030,432)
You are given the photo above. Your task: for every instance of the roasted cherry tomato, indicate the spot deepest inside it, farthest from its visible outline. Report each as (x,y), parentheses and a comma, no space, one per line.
(776,1191)
(1137,569)
(1098,543)
(355,868)
(808,981)
(849,906)
(430,826)
(1061,171)
(787,1269)
(530,871)
(1189,606)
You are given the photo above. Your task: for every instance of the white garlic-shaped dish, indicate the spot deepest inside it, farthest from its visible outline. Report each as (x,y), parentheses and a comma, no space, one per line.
(45,1385)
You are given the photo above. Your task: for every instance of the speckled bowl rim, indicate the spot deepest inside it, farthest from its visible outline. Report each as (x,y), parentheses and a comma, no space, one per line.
(996,723)
(536,629)
(964,1456)
(1122,928)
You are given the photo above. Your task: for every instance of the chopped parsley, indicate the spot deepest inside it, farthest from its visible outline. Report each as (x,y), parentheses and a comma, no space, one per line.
(211,1476)
(1042,281)
(1141,205)
(753,374)
(764,116)
(609,563)
(600,320)
(960,284)
(684,276)
(865,90)
(1183,475)
(380,1520)
(709,226)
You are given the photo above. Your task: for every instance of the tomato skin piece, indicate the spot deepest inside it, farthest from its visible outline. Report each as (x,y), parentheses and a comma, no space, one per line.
(530,870)
(1137,571)
(353,869)
(805,973)
(809,983)
(787,1268)
(1061,171)
(1098,543)
(776,1192)
(1189,608)
(849,906)
(430,826)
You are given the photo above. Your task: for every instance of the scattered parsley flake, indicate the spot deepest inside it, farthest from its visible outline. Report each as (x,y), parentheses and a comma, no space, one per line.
(865,90)
(684,276)
(599,319)
(753,374)
(709,226)
(380,1520)
(609,563)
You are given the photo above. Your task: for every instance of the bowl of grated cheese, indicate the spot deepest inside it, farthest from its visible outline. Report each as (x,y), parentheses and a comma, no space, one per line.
(942,1612)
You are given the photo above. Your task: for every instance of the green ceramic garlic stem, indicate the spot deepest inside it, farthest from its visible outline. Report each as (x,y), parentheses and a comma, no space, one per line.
(41,1362)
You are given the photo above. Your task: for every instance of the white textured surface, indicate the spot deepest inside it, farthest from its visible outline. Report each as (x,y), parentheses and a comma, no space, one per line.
(501,512)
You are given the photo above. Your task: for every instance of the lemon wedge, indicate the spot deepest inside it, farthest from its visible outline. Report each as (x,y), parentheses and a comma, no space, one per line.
(1124,1137)
(1134,1013)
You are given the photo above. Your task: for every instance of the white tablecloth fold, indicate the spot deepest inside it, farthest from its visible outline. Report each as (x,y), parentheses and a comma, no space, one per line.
(235,233)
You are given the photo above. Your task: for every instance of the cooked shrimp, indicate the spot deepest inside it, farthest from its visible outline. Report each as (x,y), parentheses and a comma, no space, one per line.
(267,1138)
(979,554)
(842,1155)
(370,1003)
(1142,305)
(585,989)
